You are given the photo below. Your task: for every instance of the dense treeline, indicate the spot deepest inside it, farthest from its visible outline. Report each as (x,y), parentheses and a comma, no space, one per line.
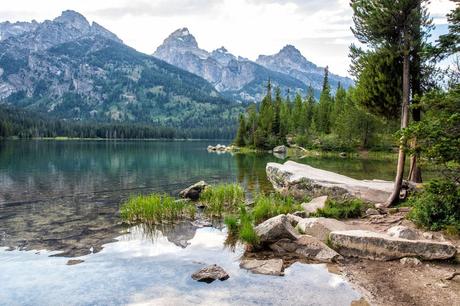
(332,123)
(24,124)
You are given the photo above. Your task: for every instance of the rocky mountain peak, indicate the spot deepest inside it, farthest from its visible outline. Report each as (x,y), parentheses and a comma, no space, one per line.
(73,19)
(221,50)
(181,38)
(290,51)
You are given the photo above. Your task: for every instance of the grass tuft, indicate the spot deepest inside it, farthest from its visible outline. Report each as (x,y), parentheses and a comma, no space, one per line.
(222,198)
(341,209)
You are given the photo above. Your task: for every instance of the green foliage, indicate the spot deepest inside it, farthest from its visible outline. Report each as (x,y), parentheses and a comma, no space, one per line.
(154,209)
(247,233)
(437,207)
(222,198)
(266,207)
(232,224)
(341,209)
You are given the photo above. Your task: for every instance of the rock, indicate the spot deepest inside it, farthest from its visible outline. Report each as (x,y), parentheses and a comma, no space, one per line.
(308,247)
(293,219)
(275,229)
(314,205)
(303,180)
(343,154)
(301,214)
(411,261)
(280,149)
(193,192)
(372,212)
(210,274)
(427,236)
(378,246)
(404,232)
(267,267)
(321,227)
(72,262)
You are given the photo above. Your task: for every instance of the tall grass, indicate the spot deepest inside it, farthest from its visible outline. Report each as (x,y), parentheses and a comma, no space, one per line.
(155,208)
(222,198)
(266,207)
(341,209)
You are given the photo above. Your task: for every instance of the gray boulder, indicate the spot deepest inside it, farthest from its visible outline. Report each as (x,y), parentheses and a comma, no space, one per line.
(274,229)
(404,232)
(315,204)
(266,267)
(308,247)
(410,261)
(303,180)
(372,212)
(280,149)
(193,192)
(377,246)
(321,227)
(210,274)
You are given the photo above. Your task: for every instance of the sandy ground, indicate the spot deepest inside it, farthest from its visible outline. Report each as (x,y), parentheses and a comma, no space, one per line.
(393,283)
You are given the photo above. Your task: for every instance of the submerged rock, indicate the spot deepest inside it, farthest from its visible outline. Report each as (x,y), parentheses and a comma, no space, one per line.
(274,229)
(266,267)
(315,204)
(404,232)
(72,262)
(321,227)
(303,180)
(377,246)
(210,274)
(193,192)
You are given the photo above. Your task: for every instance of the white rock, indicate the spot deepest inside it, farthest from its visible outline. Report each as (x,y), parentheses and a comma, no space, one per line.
(404,232)
(314,205)
(267,267)
(321,227)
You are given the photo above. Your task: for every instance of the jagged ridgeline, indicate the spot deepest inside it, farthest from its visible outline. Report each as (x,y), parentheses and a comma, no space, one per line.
(71,69)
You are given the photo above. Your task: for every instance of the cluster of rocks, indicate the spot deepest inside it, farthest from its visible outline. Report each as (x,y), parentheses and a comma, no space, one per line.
(221,148)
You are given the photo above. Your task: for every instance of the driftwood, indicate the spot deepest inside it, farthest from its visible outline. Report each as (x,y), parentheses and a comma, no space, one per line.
(451,277)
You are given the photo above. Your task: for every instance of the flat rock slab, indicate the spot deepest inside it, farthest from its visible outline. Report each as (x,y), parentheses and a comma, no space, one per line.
(266,267)
(321,227)
(210,274)
(301,180)
(315,204)
(308,247)
(275,228)
(377,246)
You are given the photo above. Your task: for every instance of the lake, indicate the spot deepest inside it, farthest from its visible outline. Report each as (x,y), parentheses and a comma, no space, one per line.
(59,200)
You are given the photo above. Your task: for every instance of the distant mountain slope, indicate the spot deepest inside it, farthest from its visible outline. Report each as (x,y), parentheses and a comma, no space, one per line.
(74,70)
(290,61)
(235,77)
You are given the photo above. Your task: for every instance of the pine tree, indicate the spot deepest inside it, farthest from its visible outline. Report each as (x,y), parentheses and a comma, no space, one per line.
(241,133)
(323,120)
(276,123)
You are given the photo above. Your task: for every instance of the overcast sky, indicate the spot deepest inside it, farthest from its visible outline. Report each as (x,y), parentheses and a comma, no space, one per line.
(320,29)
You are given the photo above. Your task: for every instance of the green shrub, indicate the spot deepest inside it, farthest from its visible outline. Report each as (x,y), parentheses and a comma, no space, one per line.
(222,197)
(437,207)
(154,208)
(341,209)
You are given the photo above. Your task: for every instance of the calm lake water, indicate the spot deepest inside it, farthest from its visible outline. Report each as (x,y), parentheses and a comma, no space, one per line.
(60,200)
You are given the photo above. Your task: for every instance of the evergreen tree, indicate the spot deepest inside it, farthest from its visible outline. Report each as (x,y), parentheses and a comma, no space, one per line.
(322,118)
(276,123)
(241,133)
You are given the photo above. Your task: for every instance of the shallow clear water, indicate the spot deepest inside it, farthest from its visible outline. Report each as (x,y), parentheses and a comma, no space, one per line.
(60,199)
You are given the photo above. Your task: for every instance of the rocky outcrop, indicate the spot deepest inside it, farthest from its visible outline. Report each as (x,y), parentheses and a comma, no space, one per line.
(210,274)
(303,180)
(274,229)
(267,267)
(193,192)
(321,227)
(315,204)
(307,247)
(377,246)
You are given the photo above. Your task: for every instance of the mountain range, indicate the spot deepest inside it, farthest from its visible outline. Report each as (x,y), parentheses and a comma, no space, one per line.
(71,69)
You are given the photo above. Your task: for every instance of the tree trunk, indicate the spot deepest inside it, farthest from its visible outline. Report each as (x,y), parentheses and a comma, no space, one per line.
(415,172)
(394,197)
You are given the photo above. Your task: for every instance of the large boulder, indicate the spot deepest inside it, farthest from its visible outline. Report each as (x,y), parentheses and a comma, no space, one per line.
(321,227)
(378,246)
(210,274)
(193,192)
(303,180)
(267,267)
(315,204)
(274,229)
(306,246)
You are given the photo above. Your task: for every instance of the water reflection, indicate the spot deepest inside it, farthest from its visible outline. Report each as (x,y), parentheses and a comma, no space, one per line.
(133,270)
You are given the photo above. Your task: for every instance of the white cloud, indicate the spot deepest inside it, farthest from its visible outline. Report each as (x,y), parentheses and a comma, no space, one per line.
(319,28)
